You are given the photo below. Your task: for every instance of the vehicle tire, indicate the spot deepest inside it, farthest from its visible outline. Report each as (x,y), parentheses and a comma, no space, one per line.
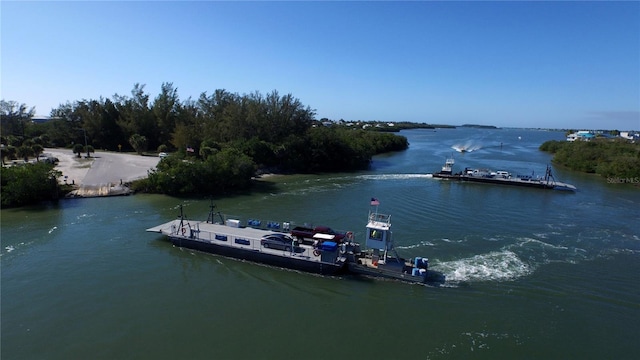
(266,245)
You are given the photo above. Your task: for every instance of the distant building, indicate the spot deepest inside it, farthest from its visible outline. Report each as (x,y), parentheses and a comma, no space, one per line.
(583,135)
(40,119)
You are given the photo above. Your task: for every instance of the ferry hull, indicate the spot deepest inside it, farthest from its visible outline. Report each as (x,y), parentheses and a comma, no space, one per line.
(430,277)
(513,182)
(293,263)
(530,184)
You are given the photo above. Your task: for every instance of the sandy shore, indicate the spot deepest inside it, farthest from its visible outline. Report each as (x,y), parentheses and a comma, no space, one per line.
(104,174)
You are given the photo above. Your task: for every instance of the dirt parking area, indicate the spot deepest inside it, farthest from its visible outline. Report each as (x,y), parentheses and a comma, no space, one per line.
(102,168)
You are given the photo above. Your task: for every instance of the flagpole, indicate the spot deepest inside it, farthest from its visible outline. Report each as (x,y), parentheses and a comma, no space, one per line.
(375,202)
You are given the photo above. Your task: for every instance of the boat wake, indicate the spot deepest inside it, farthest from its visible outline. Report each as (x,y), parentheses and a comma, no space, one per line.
(506,264)
(460,345)
(466,147)
(340,182)
(11,248)
(494,266)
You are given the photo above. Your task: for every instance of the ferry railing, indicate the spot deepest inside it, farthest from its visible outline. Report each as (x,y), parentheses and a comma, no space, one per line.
(193,231)
(381,218)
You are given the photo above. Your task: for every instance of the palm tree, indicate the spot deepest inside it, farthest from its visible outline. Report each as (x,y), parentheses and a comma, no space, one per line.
(9,152)
(78,149)
(24,152)
(90,149)
(37,150)
(139,143)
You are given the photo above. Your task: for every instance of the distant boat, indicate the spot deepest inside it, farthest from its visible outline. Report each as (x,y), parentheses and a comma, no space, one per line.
(467,147)
(502,177)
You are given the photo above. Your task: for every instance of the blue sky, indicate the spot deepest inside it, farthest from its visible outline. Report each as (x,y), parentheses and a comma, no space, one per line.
(509,64)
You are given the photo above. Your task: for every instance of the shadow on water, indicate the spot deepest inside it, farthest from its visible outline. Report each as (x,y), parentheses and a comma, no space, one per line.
(257,187)
(435,278)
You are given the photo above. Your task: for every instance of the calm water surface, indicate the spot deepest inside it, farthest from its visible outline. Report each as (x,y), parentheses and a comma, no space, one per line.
(530,273)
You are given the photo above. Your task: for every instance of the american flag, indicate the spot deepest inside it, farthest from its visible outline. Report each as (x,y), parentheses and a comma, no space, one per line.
(374,202)
(190,149)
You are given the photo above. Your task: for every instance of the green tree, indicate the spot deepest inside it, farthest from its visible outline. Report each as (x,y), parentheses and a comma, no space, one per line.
(9,152)
(89,149)
(101,124)
(29,184)
(186,136)
(37,150)
(57,133)
(25,152)
(43,140)
(139,143)
(165,110)
(14,117)
(64,129)
(3,154)
(136,116)
(206,151)
(14,140)
(78,149)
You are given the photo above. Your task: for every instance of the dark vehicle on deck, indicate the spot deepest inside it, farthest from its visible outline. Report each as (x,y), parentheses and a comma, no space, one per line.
(302,232)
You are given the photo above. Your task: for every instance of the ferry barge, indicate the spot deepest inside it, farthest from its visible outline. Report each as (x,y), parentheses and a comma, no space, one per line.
(271,243)
(502,178)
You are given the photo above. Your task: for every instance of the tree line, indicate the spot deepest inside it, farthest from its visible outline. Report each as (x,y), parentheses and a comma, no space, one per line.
(613,158)
(136,122)
(217,142)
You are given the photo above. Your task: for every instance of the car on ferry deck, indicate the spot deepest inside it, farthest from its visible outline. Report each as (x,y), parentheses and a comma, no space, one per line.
(277,241)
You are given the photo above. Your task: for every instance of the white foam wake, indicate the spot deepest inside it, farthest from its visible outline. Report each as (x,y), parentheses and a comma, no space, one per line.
(494,266)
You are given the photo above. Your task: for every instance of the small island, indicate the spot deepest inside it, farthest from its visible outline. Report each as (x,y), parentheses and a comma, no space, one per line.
(616,159)
(475,126)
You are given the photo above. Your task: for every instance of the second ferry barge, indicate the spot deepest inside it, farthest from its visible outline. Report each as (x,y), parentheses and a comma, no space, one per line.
(502,178)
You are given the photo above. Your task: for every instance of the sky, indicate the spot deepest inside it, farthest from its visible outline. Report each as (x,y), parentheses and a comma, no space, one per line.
(568,65)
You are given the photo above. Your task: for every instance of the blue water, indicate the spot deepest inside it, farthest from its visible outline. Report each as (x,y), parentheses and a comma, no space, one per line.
(530,273)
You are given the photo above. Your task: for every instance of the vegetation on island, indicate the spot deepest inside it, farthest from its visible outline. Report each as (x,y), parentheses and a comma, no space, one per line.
(612,158)
(217,143)
(29,184)
(476,126)
(383,126)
